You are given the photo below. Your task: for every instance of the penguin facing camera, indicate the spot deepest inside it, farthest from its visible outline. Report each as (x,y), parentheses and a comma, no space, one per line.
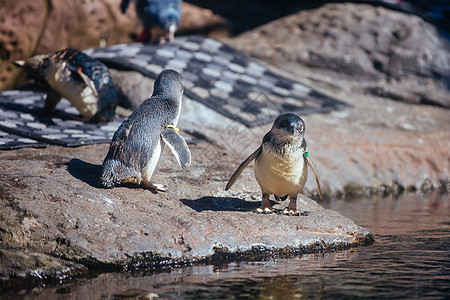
(81,79)
(281,164)
(137,145)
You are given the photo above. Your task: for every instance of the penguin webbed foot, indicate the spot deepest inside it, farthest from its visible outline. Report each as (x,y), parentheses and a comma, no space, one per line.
(291,212)
(266,207)
(265,210)
(155,187)
(294,212)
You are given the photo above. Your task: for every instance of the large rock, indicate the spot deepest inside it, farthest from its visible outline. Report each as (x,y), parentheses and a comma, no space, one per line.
(51,204)
(379,51)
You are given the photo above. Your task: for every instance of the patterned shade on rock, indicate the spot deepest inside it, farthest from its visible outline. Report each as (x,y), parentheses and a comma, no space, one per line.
(21,122)
(9,141)
(221,78)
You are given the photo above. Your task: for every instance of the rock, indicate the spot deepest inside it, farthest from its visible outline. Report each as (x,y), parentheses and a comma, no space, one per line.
(71,218)
(132,87)
(22,269)
(202,21)
(18,35)
(382,52)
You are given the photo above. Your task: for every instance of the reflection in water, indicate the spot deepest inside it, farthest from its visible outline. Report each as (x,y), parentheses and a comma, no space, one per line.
(409,259)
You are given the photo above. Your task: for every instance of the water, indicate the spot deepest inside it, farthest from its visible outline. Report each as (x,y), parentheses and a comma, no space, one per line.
(410,259)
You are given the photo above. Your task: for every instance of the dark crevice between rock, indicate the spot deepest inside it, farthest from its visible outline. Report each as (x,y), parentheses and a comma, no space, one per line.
(395,189)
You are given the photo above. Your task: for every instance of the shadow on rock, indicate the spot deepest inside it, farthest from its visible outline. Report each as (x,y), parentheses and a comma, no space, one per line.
(221,204)
(85,172)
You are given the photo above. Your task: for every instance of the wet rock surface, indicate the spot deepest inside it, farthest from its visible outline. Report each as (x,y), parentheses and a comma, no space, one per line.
(25,269)
(53,207)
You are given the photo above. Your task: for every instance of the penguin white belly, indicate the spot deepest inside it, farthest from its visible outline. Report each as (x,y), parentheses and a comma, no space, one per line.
(77,92)
(280,176)
(151,164)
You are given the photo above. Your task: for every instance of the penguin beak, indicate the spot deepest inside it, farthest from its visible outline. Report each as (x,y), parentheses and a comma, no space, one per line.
(19,63)
(294,127)
(172,29)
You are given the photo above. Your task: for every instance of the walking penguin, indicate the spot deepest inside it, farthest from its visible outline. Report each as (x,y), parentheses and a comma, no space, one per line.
(137,145)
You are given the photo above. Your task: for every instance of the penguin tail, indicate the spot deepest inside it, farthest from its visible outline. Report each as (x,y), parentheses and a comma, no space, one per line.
(107,177)
(106,182)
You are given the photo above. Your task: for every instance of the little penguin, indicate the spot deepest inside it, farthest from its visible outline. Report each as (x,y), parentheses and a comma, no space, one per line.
(81,79)
(164,14)
(281,164)
(137,145)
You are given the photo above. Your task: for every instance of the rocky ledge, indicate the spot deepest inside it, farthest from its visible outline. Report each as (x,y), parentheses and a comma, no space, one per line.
(56,222)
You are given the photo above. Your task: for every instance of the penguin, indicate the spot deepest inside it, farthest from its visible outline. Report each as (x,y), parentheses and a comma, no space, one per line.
(281,164)
(83,80)
(137,144)
(165,14)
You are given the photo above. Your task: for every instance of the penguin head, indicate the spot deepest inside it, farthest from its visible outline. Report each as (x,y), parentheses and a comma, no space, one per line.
(36,66)
(168,85)
(289,124)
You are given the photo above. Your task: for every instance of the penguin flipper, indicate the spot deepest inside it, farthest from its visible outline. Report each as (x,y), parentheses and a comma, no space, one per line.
(52,99)
(88,81)
(316,176)
(178,146)
(241,168)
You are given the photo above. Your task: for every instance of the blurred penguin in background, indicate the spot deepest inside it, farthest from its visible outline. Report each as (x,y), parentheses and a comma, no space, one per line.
(162,14)
(81,79)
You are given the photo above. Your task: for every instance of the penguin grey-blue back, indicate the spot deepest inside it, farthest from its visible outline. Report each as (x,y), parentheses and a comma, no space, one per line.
(165,14)
(137,145)
(83,80)
(281,163)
